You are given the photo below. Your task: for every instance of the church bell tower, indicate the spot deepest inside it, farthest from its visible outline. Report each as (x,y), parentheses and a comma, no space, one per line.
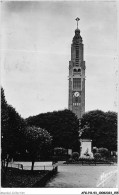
(76,101)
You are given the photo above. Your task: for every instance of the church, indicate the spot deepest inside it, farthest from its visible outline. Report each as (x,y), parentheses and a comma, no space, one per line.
(76,101)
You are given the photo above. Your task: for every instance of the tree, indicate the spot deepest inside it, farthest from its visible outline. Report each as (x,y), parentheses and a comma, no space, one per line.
(4,112)
(102,128)
(4,124)
(12,130)
(37,139)
(63,126)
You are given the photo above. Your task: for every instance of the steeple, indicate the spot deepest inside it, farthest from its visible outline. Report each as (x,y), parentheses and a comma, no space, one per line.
(77,75)
(77,37)
(77,19)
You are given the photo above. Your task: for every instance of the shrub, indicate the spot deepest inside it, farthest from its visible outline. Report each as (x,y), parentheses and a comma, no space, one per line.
(60,151)
(70,160)
(87,158)
(95,150)
(103,152)
(97,156)
(75,156)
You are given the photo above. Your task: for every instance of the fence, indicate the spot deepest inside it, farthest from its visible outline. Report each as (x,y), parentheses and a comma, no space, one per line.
(40,167)
(18,166)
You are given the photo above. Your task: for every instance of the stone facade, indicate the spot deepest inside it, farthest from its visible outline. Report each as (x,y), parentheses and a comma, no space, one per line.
(76,101)
(86,148)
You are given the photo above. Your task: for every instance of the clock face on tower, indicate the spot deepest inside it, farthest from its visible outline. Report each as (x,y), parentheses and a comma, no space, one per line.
(76,94)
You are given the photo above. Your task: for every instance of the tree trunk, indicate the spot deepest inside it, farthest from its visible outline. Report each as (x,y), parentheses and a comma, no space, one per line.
(32,165)
(3,177)
(7,162)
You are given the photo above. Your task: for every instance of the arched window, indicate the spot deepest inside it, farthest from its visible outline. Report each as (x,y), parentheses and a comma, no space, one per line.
(79,70)
(75,70)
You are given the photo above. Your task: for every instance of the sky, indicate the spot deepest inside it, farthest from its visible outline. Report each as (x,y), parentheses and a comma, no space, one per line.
(36,42)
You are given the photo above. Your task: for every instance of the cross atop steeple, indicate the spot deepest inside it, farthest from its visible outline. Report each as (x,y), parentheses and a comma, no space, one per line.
(77,19)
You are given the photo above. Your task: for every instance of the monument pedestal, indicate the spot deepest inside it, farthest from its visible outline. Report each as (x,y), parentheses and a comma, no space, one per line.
(86,148)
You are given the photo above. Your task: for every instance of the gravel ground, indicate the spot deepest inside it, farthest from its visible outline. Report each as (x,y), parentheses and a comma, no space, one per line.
(76,176)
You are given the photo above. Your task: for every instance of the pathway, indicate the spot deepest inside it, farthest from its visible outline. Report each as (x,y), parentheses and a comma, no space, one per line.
(76,176)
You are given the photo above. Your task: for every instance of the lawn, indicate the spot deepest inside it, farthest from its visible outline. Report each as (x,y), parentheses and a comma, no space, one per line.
(22,178)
